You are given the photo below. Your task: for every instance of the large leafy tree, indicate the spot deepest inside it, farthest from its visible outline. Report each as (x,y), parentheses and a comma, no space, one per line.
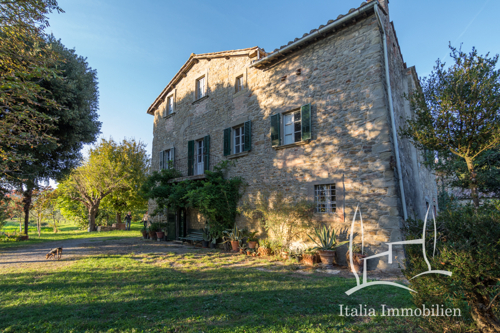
(25,61)
(110,168)
(132,154)
(457,114)
(77,123)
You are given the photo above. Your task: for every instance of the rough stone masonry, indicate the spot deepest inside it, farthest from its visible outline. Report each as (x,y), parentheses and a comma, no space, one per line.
(341,74)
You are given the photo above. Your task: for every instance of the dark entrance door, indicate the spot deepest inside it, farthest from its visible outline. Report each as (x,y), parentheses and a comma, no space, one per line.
(181,222)
(171,225)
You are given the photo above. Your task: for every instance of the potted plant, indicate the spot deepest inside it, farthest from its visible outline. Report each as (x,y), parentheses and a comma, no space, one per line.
(206,237)
(357,259)
(265,247)
(153,229)
(160,233)
(327,243)
(252,239)
(309,257)
(144,232)
(234,236)
(250,252)
(214,236)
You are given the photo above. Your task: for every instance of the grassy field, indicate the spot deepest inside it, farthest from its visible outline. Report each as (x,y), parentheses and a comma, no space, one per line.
(66,231)
(199,291)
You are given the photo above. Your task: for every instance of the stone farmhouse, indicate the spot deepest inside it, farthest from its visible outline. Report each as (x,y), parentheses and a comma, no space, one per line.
(317,118)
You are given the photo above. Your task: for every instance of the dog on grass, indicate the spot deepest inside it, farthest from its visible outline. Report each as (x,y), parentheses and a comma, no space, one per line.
(57,252)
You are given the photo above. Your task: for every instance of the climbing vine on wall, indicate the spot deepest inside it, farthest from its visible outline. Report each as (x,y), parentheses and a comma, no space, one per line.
(215,197)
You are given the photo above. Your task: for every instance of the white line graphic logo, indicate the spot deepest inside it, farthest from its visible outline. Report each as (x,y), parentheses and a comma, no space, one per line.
(388,253)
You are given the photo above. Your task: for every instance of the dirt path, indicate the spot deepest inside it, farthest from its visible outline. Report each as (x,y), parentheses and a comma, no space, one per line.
(73,249)
(33,256)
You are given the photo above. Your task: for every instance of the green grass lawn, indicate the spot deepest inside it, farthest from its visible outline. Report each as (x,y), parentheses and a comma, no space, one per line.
(194,292)
(66,231)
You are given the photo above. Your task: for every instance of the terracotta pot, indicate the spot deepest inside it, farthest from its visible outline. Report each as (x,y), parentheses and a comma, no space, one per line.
(145,234)
(249,253)
(327,256)
(357,261)
(264,251)
(235,245)
(252,244)
(254,254)
(309,259)
(242,251)
(152,235)
(160,234)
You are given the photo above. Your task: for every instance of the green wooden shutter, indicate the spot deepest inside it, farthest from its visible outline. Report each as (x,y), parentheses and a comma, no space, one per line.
(248,136)
(227,141)
(305,111)
(275,130)
(206,153)
(191,158)
(161,160)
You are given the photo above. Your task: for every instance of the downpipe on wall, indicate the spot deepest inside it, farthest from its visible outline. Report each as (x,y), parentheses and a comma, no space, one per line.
(391,111)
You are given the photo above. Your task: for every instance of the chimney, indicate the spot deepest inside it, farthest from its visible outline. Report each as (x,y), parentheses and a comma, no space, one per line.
(385,5)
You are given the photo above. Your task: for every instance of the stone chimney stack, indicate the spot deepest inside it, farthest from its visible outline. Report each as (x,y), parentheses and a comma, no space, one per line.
(384,4)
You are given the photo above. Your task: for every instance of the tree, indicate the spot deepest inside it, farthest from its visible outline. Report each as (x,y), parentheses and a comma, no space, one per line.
(133,155)
(457,113)
(52,209)
(109,168)
(25,60)
(77,123)
(40,203)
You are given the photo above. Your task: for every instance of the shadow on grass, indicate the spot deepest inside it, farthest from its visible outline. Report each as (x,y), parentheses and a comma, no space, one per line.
(100,293)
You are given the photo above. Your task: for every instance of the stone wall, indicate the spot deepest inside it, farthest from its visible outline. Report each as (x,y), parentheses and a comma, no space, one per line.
(342,76)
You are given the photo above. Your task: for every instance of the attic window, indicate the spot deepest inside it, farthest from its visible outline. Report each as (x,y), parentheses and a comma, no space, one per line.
(200,87)
(239,83)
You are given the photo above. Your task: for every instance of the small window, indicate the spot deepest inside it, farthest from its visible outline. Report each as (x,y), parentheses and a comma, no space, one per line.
(239,83)
(239,139)
(325,199)
(170,105)
(292,127)
(200,87)
(167,161)
(199,167)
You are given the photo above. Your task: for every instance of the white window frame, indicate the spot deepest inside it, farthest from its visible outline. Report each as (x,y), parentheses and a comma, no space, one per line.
(325,198)
(199,160)
(170,104)
(238,136)
(167,157)
(292,116)
(239,84)
(201,89)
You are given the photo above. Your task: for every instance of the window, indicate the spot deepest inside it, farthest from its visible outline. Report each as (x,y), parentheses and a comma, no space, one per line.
(170,105)
(325,198)
(239,139)
(167,159)
(200,87)
(239,83)
(292,127)
(198,162)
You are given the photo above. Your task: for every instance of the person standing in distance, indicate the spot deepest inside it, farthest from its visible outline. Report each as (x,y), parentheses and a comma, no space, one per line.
(128,220)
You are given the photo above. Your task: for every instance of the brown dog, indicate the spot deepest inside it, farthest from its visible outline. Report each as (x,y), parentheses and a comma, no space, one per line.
(57,252)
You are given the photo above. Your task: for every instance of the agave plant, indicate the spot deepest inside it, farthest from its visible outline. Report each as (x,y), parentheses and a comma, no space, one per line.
(206,235)
(234,234)
(327,239)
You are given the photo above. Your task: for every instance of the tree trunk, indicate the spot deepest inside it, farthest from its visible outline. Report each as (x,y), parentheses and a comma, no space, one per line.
(92,212)
(39,225)
(118,217)
(473,182)
(26,207)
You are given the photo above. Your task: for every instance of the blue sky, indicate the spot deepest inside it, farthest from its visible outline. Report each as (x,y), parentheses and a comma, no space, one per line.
(138,46)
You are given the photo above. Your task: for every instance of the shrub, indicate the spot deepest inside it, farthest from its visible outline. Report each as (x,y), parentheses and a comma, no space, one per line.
(468,246)
(285,220)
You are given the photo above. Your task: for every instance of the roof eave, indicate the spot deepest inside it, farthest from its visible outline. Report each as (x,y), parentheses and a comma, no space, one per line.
(319,33)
